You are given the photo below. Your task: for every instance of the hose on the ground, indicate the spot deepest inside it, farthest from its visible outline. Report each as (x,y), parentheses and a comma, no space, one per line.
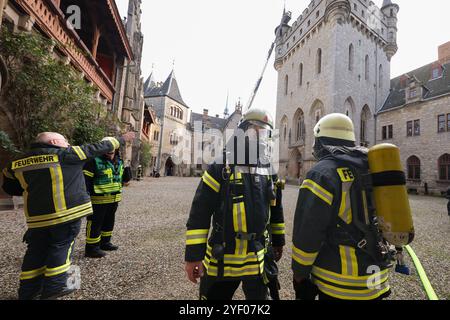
(423,276)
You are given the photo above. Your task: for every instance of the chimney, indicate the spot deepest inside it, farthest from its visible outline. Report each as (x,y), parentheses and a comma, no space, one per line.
(205,112)
(444,53)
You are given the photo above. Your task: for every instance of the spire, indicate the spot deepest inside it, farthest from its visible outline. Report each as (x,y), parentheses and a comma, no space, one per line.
(226,112)
(386,3)
(149,83)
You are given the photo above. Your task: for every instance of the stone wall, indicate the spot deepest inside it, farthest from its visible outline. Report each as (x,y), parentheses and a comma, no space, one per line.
(337,88)
(428,147)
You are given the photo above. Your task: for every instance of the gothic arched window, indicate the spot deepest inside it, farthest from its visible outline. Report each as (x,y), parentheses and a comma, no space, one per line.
(300,74)
(286,85)
(351,54)
(366,65)
(319,61)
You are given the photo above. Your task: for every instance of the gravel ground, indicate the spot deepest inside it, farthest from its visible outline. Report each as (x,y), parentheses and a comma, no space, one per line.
(150,227)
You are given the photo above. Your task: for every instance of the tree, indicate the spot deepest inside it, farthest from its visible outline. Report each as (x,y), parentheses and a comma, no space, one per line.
(146,155)
(44,94)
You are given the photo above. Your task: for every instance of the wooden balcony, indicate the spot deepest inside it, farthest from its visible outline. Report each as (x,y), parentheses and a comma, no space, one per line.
(50,19)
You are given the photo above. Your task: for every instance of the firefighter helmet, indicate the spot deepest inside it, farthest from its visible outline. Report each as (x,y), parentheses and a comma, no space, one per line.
(259,117)
(335,125)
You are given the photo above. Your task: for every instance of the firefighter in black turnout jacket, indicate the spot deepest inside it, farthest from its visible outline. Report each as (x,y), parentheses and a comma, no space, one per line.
(336,253)
(105,176)
(50,178)
(243,197)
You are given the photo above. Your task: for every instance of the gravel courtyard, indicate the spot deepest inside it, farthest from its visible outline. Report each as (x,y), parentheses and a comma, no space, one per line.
(150,228)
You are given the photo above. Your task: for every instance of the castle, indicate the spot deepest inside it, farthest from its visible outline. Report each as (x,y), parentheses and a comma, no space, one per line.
(334,58)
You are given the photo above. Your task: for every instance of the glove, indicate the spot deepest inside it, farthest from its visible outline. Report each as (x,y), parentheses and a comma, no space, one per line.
(305,290)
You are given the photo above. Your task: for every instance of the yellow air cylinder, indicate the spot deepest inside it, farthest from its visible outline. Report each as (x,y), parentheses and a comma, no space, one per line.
(390,195)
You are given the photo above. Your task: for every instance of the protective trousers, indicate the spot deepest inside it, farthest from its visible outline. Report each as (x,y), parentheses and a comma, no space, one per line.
(47,259)
(213,289)
(100,225)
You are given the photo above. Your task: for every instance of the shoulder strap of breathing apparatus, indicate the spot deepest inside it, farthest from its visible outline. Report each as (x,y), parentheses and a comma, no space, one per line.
(365,237)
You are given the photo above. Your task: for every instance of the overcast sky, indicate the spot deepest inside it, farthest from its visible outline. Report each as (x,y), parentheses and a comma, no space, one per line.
(221,45)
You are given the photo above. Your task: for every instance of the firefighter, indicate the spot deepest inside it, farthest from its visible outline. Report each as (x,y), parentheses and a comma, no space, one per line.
(105,176)
(336,251)
(50,178)
(241,194)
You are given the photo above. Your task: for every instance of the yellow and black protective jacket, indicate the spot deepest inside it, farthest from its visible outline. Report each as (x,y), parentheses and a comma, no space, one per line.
(253,217)
(52,183)
(331,200)
(104,180)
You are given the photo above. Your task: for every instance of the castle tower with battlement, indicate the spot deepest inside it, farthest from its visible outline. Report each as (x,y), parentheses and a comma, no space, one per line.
(334,58)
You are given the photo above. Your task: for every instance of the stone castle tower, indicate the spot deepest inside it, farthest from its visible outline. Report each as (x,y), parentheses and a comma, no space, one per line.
(334,58)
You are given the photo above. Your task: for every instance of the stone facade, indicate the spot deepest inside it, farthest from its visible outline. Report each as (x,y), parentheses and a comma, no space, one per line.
(129,103)
(334,58)
(418,100)
(174,116)
(428,147)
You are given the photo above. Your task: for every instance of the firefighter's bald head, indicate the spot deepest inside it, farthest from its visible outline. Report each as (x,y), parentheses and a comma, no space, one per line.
(52,138)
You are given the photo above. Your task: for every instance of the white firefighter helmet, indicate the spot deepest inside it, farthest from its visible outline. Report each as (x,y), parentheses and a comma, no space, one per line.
(259,117)
(337,126)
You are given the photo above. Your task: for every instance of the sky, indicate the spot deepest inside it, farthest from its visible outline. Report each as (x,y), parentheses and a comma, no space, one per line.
(219,47)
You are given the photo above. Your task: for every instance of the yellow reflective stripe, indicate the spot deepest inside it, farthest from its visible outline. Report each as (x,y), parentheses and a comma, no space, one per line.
(88,228)
(106,234)
(73,216)
(196,236)
(211,182)
(350,281)
(197,232)
(237,272)
(106,199)
(69,252)
(59,214)
(58,188)
(354,262)
(7,174)
(383,274)
(349,294)
(345,209)
(317,190)
(93,240)
(108,188)
(26,275)
(80,153)
(277,228)
(24,185)
(114,142)
(51,272)
(88,173)
(240,224)
(302,257)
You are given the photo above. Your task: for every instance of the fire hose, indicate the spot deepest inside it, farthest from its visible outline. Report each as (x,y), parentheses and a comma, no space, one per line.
(422,275)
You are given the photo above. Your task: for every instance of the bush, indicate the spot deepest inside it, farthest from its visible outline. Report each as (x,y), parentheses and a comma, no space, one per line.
(43,94)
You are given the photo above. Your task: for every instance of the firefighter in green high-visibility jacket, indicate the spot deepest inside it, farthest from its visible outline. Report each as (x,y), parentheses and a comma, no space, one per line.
(104,177)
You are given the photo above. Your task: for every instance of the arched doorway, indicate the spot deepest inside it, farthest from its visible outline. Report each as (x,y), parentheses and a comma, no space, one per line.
(169,168)
(295,169)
